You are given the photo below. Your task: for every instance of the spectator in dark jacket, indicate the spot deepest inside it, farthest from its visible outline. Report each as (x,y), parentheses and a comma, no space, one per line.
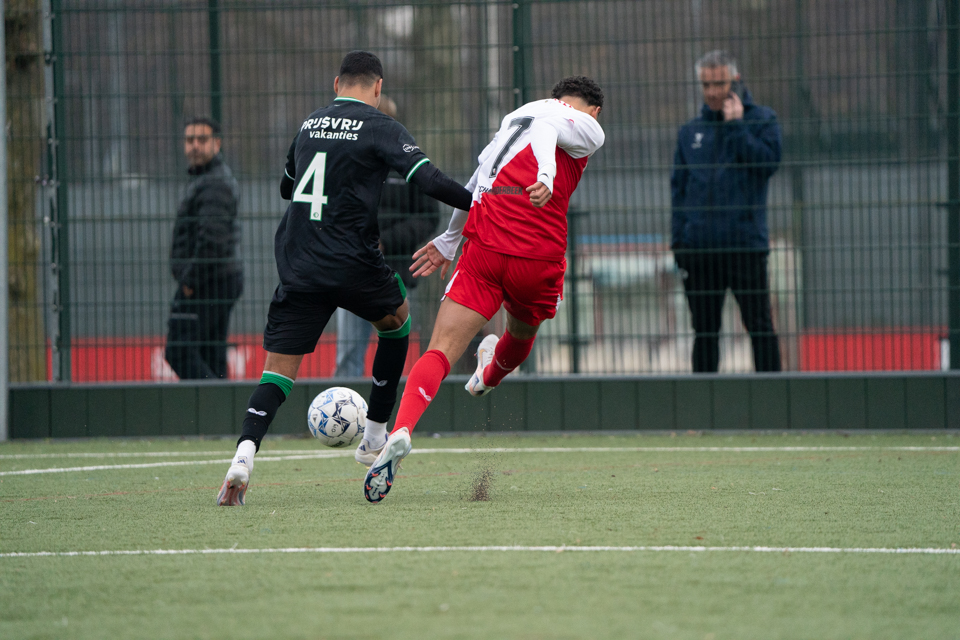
(407,218)
(721,168)
(203,258)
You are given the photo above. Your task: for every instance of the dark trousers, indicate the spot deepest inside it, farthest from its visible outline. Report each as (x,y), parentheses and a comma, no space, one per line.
(197,329)
(708,276)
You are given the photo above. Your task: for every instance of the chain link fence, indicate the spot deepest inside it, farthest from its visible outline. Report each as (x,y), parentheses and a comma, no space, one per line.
(863,211)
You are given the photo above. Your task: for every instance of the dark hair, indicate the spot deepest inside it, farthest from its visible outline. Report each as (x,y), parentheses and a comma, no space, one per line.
(210,122)
(360,67)
(579,87)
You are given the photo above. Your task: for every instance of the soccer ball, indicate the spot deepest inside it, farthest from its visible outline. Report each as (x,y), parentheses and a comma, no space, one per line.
(337,416)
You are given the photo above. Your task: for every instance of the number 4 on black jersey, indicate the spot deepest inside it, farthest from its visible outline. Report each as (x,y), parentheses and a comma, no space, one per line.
(335,170)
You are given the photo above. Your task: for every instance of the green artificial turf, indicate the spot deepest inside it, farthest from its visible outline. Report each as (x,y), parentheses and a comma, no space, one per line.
(848,499)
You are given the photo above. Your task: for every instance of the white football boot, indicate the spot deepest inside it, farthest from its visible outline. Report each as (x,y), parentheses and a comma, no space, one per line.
(366,454)
(475,386)
(234,486)
(379,478)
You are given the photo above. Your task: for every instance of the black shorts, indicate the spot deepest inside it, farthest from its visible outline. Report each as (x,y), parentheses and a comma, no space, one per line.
(297,318)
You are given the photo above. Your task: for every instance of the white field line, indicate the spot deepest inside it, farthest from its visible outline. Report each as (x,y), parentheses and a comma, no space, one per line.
(184,454)
(181,463)
(125,454)
(284,455)
(551,549)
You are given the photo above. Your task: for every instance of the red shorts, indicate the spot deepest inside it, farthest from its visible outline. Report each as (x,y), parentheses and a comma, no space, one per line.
(530,290)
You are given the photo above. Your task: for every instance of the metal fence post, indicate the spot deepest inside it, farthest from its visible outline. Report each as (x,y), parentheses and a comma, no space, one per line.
(216,82)
(522,56)
(4,274)
(56,193)
(953,176)
(573,271)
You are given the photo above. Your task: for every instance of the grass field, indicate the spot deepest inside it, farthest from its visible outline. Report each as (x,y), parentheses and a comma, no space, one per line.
(706,537)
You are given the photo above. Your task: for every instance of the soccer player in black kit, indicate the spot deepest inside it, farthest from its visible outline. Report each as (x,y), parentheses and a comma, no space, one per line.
(328,256)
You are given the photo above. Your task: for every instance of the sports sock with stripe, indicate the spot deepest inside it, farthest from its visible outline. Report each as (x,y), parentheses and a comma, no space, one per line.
(262,407)
(422,386)
(387,368)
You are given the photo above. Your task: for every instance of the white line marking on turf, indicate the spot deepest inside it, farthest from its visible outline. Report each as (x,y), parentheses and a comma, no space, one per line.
(177,454)
(295,454)
(182,463)
(176,552)
(125,454)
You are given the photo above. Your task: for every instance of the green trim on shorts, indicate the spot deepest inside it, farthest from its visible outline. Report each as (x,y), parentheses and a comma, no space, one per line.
(397,333)
(285,383)
(403,287)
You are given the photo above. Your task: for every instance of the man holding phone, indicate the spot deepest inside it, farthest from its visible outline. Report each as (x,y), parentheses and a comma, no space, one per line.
(721,170)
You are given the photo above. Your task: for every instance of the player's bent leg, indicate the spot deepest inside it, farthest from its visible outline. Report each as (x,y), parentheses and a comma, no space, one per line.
(454,328)
(379,479)
(496,358)
(272,391)
(393,340)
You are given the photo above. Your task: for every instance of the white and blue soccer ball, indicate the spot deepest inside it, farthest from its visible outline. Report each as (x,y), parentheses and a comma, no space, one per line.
(337,416)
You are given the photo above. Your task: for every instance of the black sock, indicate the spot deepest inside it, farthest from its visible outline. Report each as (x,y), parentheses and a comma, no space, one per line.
(261,409)
(387,368)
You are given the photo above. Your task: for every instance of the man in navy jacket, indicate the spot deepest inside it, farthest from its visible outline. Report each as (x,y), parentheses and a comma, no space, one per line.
(721,169)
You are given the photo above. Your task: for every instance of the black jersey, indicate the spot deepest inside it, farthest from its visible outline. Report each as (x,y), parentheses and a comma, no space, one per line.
(329,236)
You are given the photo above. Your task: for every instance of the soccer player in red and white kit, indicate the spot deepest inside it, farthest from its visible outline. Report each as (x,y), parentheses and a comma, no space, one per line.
(514,256)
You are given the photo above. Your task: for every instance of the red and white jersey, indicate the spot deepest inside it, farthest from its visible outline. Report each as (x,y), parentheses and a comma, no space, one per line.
(545,141)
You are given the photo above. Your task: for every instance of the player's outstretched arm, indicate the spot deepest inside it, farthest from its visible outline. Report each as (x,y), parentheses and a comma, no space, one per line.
(428,259)
(437,185)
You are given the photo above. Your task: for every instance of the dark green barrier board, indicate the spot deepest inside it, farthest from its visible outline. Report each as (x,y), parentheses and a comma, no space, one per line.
(798,402)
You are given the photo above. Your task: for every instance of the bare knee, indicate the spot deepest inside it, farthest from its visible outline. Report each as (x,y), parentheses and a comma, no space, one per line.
(454,328)
(521,330)
(393,322)
(282,363)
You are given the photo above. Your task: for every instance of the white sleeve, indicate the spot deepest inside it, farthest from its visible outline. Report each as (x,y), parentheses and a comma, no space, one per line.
(448,241)
(580,136)
(543,143)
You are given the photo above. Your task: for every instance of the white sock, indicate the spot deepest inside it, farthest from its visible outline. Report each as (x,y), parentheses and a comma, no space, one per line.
(375,433)
(245,453)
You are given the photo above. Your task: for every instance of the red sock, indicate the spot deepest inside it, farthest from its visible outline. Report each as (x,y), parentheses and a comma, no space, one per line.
(509,354)
(422,386)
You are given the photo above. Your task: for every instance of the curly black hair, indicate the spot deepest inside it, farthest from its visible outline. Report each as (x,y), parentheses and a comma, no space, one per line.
(580,87)
(360,67)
